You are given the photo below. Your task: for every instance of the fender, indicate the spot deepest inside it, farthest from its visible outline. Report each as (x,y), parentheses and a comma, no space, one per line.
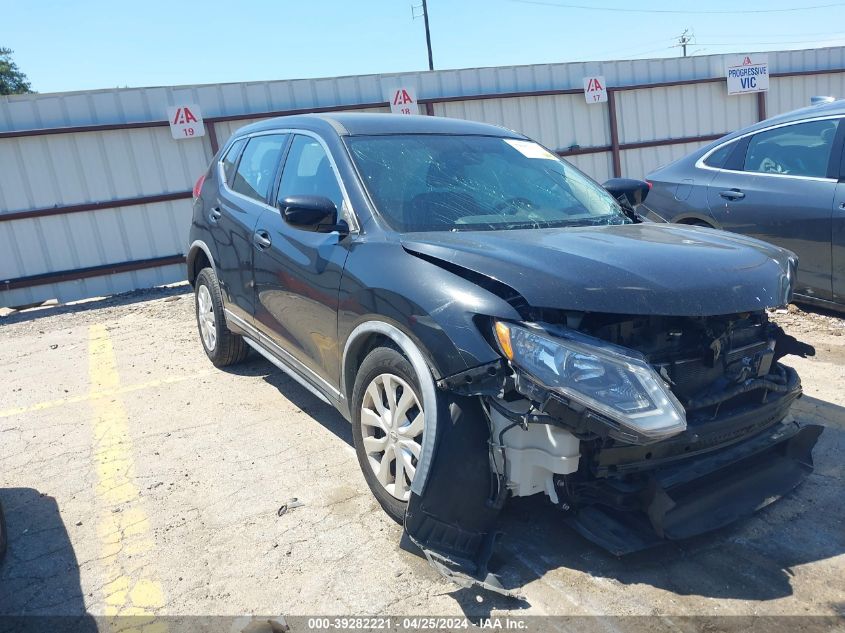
(195,247)
(423,372)
(456,545)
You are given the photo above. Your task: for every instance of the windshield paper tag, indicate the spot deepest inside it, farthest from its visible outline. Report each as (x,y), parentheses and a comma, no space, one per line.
(529,149)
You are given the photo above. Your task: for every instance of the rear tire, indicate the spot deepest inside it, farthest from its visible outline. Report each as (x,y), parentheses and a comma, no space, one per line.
(222,346)
(388,423)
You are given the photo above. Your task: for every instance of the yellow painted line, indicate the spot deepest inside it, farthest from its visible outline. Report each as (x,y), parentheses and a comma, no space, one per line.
(123,528)
(103,393)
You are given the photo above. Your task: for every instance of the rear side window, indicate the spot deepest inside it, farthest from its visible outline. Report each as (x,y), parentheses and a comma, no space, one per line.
(720,156)
(257,166)
(802,149)
(231,159)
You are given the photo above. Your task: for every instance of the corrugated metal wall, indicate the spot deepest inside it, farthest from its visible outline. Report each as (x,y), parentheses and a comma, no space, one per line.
(72,167)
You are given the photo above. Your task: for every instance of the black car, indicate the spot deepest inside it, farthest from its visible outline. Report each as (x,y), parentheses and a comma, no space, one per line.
(3,536)
(494,323)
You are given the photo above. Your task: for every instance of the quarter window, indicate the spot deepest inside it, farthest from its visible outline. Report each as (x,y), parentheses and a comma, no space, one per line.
(802,149)
(231,160)
(309,172)
(720,156)
(257,166)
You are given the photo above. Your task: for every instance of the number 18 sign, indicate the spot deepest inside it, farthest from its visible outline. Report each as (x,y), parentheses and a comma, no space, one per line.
(185,121)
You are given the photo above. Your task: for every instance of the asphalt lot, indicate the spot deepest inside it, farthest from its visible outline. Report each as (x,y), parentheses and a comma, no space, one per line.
(138,479)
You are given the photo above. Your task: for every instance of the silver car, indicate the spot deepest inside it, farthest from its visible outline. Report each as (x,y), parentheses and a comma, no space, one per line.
(781,180)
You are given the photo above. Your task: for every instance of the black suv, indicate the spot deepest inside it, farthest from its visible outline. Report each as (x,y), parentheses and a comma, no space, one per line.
(494,323)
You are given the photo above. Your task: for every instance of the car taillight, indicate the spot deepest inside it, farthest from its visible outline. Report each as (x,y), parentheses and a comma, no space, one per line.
(198,186)
(650,184)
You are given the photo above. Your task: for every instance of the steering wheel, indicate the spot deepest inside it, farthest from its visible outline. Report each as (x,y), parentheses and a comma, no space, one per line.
(771,166)
(512,205)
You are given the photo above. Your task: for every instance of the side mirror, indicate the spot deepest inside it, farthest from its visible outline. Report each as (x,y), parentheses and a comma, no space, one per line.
(627,190)
(311,213)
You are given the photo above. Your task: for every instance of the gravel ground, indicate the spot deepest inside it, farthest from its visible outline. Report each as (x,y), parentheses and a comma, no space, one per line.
(136,478)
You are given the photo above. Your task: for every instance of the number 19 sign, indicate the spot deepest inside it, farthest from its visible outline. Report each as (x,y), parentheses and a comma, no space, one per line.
(185,121)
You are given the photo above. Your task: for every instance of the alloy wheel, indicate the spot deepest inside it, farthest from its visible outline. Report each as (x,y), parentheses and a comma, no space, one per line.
(205,316)
(392,426)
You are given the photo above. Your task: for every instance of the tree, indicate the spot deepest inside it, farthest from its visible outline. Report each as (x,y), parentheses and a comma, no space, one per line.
(12,80)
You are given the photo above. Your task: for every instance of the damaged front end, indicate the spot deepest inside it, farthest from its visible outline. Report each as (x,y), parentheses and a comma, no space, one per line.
(639,428)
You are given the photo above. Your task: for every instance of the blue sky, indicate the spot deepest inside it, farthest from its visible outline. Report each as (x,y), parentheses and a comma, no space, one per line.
(103,44)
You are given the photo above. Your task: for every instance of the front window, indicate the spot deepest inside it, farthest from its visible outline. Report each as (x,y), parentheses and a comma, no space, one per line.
(425,182)
(308,172)
(802,149)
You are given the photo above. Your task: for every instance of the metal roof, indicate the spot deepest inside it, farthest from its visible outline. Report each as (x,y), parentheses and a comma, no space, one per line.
(125,105)
(355,123)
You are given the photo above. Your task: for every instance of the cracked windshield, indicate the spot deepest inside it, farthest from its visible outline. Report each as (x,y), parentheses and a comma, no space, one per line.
(458,183)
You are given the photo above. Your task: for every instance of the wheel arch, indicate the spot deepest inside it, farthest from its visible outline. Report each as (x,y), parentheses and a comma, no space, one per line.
(199,257)
(370,334)
(695,219)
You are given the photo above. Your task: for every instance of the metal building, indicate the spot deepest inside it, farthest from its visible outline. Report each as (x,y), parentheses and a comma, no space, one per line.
(95,193)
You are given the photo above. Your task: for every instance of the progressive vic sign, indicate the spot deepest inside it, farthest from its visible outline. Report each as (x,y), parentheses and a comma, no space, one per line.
(747,73)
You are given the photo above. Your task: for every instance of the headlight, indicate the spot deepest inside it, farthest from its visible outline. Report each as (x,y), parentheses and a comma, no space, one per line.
(608,379)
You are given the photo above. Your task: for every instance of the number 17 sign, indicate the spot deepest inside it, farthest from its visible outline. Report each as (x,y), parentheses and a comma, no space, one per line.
(595,89)
(185,121)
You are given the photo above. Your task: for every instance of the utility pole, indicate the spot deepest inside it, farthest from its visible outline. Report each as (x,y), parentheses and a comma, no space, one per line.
(427,31)
(684,39)
(427,35)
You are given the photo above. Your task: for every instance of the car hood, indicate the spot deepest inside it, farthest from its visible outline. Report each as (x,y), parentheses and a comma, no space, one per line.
(643,268)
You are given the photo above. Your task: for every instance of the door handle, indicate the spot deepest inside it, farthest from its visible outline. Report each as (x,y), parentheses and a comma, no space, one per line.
(732,194)
(214,214)
(261,238)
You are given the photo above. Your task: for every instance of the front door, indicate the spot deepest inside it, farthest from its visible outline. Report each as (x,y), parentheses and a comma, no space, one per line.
(784,195)
(297,272)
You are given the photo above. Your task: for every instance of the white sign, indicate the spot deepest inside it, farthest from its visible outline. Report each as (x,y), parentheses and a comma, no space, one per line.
(747,73)
(185,121)
(595,90)
(403,101)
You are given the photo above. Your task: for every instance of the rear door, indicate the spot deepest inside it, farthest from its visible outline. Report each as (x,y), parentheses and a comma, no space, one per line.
(249,169)
(782,190)
(297,272)
(838,250)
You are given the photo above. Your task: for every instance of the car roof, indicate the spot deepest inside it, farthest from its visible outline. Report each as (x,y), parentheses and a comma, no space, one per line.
(831,108)
(365,123)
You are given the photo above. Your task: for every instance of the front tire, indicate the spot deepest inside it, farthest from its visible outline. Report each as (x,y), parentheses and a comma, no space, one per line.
(388,424)
(222,346)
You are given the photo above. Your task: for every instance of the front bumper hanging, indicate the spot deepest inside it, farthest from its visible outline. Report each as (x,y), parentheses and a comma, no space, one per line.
(705,493)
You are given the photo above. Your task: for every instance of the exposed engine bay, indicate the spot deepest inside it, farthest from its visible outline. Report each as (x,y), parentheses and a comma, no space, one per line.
(691,434)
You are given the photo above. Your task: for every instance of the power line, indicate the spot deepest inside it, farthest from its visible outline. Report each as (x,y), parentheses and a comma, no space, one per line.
(735,44)
(583,7)
(743,37)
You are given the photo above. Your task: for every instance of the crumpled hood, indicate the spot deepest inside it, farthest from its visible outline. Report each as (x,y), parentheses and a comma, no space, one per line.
(643,268)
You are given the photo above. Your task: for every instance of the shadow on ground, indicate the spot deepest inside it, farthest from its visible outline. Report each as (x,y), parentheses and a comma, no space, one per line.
(39,576)
(750,560)
(299,396)
(127,298)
